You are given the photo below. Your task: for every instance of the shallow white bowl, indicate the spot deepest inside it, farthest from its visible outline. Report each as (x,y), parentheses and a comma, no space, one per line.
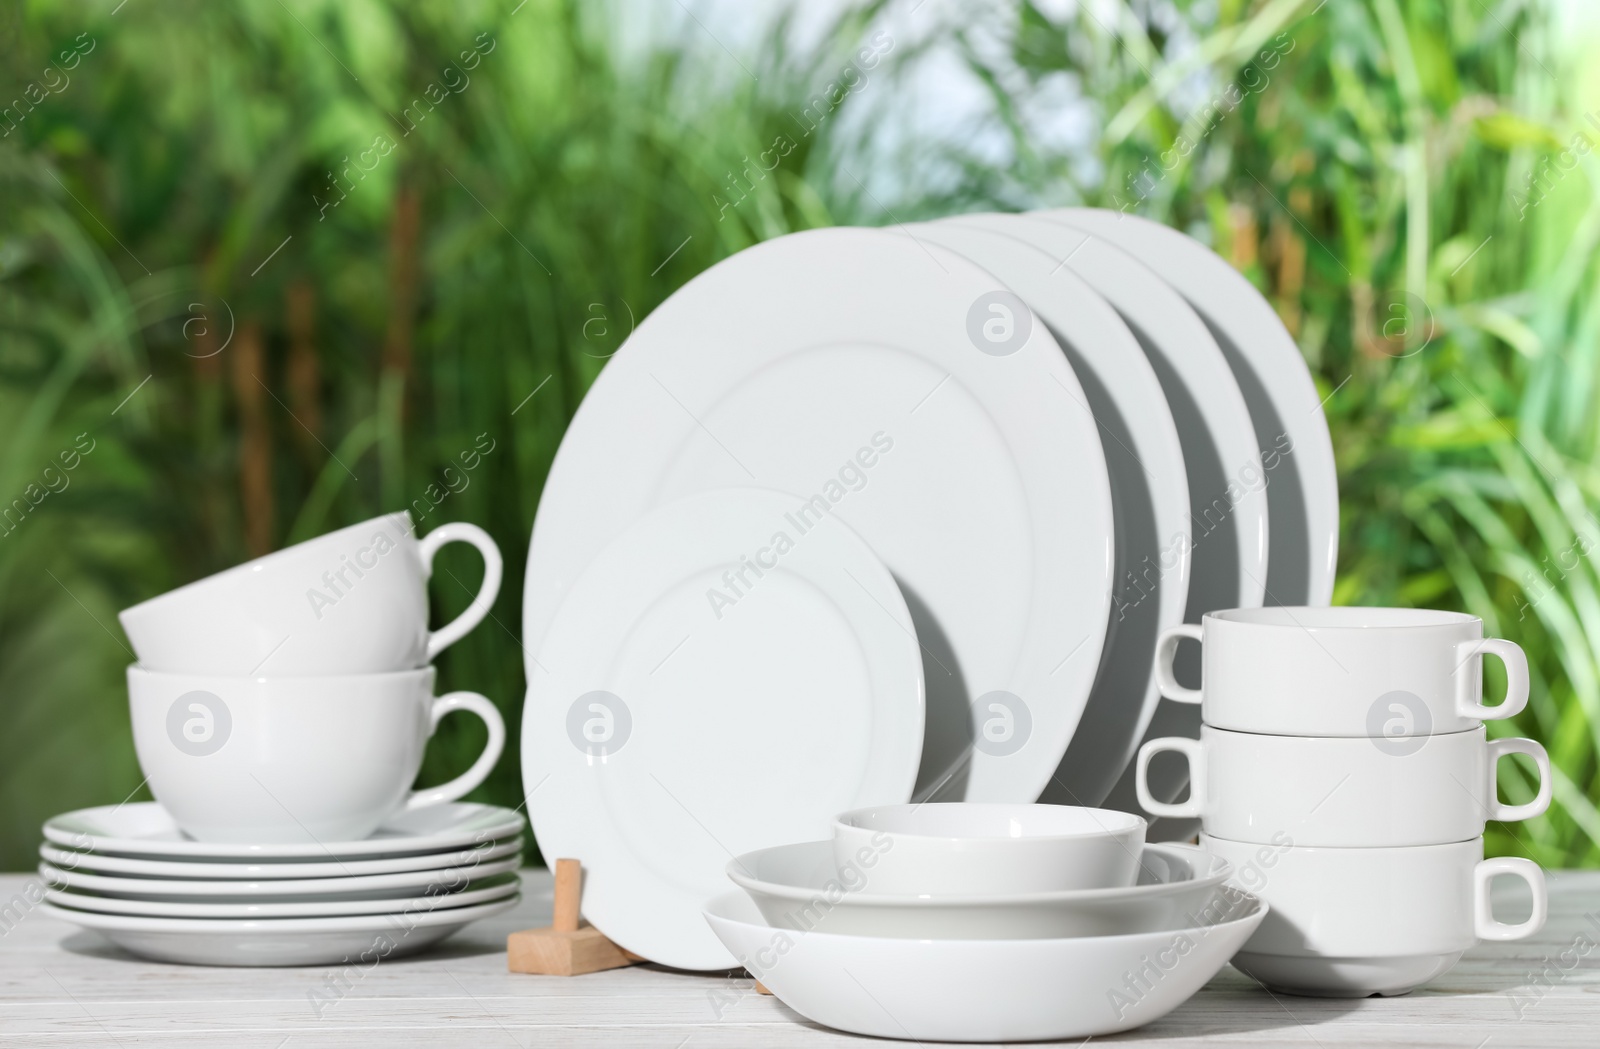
(797,887)
(965,848)
(985,990)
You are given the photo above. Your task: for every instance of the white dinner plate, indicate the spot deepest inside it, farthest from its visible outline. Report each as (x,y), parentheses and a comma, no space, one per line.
(801,888)
(678,713)
(986,990)
(361,941)
(506,885)
(371,886)
(145,829)
(1149,496)
(94,862)
(1285,408)
(1227,488)
(986,497)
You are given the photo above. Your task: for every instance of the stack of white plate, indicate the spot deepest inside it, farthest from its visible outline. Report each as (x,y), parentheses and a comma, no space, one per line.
(862,516)
(128,872)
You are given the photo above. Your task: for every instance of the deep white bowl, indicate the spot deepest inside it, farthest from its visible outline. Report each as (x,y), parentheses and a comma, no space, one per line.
(797,887)
(985,990)
(970,849)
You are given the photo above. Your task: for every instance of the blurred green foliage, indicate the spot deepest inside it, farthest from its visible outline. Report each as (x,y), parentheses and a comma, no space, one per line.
(281,264)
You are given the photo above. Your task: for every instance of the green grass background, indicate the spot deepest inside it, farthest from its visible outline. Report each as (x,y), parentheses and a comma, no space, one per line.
(1411,184)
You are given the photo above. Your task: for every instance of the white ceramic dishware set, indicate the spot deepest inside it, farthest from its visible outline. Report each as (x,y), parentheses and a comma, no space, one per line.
(983,922)
(1345,771)
(280,711)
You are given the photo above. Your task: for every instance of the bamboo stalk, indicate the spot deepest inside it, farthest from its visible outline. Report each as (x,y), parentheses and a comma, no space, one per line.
(255,439)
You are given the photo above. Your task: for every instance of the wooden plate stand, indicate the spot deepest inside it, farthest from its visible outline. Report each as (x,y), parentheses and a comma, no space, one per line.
(570,946)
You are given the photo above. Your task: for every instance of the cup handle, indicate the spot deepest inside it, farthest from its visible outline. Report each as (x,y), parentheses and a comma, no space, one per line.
(462,532)
(1515,661)
(1499,748)
(1483,913)
(1166,650)
(1195,752)
(479,705)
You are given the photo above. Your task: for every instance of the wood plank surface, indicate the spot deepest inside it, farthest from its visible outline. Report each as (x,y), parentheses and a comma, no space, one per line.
(64,986)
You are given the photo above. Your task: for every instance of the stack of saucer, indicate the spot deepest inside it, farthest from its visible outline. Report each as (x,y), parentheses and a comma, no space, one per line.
(130,873)
(983,922)
(1344,769)
(280,712)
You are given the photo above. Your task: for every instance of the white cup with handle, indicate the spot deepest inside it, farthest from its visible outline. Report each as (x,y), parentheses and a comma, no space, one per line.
(1354,922)
(1343,671)
(322,759)
(354,601)
(1343,791)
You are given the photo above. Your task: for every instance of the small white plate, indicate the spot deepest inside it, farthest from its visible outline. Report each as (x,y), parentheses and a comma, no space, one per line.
(146,829)
(986,990)
(1149,496)
(371,886)
(1284,405)
(475,893)
(357,941)
(801,888)
(94,862)
(665,731)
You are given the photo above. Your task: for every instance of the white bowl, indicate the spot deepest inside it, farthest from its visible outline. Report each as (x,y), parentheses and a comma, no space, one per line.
(985,990)
(797,887)
(970,849)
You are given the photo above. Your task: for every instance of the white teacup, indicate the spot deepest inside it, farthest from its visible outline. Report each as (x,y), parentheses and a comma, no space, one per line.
(353,601)
(1343,671)
(979,849)
(1354,922)
(323,759)
(1349,792)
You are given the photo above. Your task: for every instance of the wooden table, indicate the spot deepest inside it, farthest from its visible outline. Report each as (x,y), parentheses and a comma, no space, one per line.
(63,986)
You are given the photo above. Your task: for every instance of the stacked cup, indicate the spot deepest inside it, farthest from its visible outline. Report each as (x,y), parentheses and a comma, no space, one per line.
(1343,768)
(290,699)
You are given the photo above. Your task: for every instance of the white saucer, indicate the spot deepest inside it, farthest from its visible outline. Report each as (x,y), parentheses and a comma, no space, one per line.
(778,368)
(1284,404)
(94,862)
(800,887)
(145,829)
(985,990)
(1149,495)
(664,731)
(371,886)
(506,885)
(359,941)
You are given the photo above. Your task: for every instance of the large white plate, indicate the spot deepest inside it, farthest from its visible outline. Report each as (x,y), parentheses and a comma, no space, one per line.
(293,908)
(371,886)
(1284,407)
(360,941)
(667,729)
(986,990)
(73,860)
(1149,496)
(146,829)
(777,368)
(1227,489)
(800,887)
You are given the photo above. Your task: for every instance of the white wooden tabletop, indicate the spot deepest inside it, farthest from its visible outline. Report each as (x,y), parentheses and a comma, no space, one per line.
(63,986)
